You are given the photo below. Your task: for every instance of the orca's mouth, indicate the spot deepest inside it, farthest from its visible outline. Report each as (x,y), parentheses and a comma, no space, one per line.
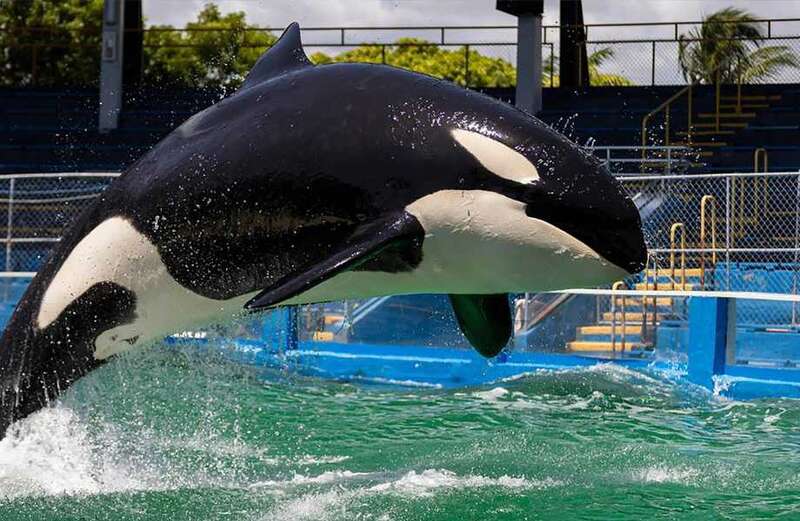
(618,238)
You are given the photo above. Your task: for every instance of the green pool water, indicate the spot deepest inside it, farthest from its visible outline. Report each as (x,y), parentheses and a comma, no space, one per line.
(169,434)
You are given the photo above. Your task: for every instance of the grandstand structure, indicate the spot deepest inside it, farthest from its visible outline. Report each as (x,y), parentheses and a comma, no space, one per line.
(713,167)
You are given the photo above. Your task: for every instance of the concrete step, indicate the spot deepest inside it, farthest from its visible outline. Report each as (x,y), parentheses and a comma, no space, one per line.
(733,106)
(707,132)
(632,317)
(605,329)
(665,286)
(753,97)
(603,347)
(731,115)
(665,272)
(632,302)
(723,124)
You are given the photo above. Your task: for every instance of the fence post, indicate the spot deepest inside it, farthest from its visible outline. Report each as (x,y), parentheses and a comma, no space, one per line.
(728,233)
(9,222)
(796,247)
(653,69)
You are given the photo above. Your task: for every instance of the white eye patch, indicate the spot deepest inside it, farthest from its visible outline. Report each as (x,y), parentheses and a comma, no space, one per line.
(496,157)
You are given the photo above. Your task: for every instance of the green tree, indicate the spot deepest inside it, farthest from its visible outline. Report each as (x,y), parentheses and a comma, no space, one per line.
(214,51)
(50,42)
(728,46)
(597,78)
(421,56)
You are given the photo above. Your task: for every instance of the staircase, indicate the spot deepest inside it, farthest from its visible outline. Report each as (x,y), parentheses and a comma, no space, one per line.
(711,132)
(628,325)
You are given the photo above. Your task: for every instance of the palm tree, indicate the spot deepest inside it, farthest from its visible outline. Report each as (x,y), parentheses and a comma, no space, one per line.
(727,47)
(596,78)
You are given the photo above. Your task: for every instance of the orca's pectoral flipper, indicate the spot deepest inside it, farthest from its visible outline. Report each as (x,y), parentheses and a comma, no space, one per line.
(392,244)
(485,320)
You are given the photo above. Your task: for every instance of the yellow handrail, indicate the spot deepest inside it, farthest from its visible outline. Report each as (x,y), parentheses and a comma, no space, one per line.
(760,152)
(760,191)
(666,106)
(704,202)
(615,287)
(672,232)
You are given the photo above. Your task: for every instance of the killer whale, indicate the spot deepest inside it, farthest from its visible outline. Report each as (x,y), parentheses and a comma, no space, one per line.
(317,183)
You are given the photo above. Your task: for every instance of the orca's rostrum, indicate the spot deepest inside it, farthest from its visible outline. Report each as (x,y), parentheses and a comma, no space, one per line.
(318,183)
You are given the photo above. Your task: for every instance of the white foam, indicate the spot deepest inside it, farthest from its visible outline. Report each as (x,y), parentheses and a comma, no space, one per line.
(333,504)
(50,453)
(662,474)
(492,395)
(430,481)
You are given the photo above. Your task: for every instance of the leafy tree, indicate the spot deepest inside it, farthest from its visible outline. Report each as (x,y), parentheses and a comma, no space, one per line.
(728,47)
(596,77)
(421,56)
(61,37)
(214,51)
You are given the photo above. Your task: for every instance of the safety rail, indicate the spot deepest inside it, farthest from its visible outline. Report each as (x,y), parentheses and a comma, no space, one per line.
(617,285)
(759,187)
(666,106)
(672,233)
(672,158)
(704,202)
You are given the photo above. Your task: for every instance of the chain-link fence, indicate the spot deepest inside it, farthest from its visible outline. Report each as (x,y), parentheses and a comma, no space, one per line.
(730,232)
(475,56)
(38,208)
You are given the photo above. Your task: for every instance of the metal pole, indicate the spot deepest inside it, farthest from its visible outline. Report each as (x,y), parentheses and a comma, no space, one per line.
(796,246)
(111,65)
(9,222)
(728,232)
(529,63)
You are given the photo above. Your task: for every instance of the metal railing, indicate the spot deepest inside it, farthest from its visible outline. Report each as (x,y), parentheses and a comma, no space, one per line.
(705,201)
(39,207)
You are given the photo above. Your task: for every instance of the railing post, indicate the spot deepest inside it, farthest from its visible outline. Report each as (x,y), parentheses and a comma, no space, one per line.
(653,66)
(9,222)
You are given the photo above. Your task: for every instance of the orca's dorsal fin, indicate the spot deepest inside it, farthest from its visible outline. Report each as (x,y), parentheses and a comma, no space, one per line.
(284,56)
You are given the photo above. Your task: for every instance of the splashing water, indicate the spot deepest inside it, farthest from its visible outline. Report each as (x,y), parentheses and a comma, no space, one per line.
(172,434)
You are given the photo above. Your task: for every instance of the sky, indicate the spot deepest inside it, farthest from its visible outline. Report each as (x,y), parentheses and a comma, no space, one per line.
(321,13)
